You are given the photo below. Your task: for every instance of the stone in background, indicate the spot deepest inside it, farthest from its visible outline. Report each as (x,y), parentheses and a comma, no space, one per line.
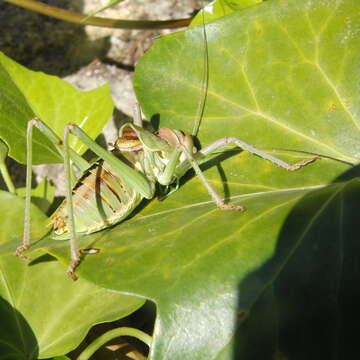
(86,57)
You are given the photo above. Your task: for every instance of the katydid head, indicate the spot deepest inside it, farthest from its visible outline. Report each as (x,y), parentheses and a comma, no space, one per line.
(177,139)
(128,140)
(146,138)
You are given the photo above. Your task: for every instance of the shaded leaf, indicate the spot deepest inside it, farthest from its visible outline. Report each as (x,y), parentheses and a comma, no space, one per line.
(44,313)
(196,262)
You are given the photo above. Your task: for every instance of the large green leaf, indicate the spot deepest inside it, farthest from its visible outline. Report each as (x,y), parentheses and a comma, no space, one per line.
(44,313)
(282,74)
(25,94)
(200,265)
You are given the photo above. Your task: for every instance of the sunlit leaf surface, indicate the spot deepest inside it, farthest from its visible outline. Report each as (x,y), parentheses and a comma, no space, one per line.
(25,94)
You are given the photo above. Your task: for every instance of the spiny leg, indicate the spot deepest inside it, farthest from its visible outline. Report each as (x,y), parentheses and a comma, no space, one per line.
(231,140)
(243,145)
(75,258)
(78,161)
(217,199)
(137,115)
(81,163)
(27,217)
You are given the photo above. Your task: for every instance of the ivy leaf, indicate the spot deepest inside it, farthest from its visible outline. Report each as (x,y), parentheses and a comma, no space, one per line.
(44,313)
(25,94)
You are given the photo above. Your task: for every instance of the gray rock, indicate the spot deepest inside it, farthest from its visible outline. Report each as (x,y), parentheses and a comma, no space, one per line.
(86,56)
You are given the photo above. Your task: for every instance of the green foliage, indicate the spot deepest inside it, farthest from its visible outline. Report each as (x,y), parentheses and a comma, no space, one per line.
(275,70)
(284,75)
(44,313)
(25,94)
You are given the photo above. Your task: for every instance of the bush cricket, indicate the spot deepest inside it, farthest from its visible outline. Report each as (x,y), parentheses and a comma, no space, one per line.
(110,190)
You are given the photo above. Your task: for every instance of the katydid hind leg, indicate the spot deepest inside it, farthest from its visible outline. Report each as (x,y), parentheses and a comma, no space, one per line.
(137,115)
(27,216)
(77,159)
(74,253)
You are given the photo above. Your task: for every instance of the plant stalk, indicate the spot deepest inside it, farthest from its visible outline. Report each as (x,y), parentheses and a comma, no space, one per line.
(82,19)
(109,335)
(7,178)
(4,171)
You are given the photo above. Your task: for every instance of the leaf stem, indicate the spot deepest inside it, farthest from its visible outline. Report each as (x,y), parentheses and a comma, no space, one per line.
(7,178)
(4,171)
(82,19)
(109,335)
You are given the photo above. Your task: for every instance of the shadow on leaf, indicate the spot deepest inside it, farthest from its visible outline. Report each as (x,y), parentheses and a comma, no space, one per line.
(17,340)
(303,300)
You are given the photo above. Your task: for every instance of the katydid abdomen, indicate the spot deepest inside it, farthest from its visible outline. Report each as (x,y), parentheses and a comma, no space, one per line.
(100,199)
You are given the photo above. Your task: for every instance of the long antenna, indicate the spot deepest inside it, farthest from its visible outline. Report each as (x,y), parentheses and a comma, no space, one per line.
(205,79)
(137,115)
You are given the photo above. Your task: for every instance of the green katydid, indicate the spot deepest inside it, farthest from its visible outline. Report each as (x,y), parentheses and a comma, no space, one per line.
(110,190)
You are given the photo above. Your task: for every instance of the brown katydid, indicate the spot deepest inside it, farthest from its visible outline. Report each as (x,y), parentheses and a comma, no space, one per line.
(110,190)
